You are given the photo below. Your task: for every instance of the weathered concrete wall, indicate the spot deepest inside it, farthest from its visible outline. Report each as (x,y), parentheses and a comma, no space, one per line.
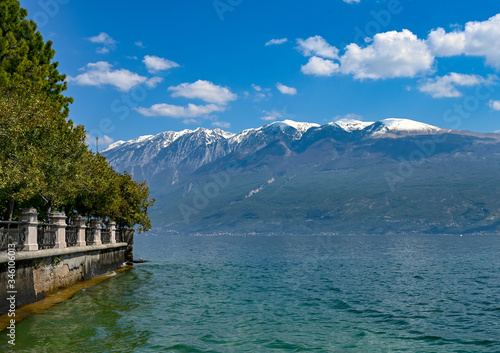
(39,272)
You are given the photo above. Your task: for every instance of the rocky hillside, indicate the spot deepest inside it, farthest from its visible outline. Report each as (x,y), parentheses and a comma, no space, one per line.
(393,175)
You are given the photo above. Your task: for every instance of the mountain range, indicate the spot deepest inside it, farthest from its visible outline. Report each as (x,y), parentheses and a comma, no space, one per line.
(348,176)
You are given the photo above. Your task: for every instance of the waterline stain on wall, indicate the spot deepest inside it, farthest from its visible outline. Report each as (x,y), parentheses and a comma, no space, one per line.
(57,296)
(38,273)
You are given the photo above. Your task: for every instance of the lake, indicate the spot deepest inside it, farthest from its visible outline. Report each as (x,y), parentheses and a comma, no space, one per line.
(285,294)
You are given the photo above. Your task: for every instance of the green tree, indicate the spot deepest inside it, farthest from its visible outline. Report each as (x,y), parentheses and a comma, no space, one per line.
(20,173)
(133,205)
(41,152)
(44,162)
(98,189)
(25,59)
(62,163)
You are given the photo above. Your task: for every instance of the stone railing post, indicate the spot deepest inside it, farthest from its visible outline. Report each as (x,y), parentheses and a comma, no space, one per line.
(30,216)
(58,221)
(96,223)
(80,223)
(112,232)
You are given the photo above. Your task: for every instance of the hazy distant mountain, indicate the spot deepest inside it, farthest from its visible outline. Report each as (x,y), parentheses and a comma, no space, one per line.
(393,175)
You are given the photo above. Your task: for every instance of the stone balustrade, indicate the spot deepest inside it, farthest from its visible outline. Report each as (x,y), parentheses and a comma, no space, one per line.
(35,236)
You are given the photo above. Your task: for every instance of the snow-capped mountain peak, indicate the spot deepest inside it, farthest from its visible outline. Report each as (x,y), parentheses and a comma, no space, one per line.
(352,124)
(394,125)
(299,126)
(135,141)
(114,145)
(208,136)
(225,134)
(193,148)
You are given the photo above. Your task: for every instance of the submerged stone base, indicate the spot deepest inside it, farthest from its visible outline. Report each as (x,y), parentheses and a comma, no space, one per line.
(43,271)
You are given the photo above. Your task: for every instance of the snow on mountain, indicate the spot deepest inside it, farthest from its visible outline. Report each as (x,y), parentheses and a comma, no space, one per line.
(168,149)
(382,127)
(212,136)
(352,124)
(164,139)
(208,136)
(250,135)
(302,127)
(187,150)
(167,137)
(114,145)
(293,129)
(245,134)
(404,125)
(135,141)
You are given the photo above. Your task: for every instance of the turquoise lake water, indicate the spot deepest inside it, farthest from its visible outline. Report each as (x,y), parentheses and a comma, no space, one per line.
(285,294)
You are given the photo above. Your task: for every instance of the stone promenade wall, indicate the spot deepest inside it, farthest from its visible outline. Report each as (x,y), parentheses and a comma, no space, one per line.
(42,271)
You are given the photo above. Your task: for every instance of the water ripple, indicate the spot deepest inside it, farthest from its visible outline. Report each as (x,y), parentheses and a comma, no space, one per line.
(286,294)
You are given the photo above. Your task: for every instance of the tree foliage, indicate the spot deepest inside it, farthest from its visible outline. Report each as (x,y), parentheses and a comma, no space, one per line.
(133,203)
(44,162)
(25,59)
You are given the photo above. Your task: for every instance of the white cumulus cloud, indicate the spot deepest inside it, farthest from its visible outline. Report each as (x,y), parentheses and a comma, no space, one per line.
(320,67)
(176,111)
(256,87)
(390,54)
(351,1)
(204,90)
(154,81)
(446,44)
(285,89)
(104,39)
(260,93)
(317,46)
(276,41)
(476,39)
(400,54)
(102,50)
(155,63)
(494,104)
(446,86)
(102,73)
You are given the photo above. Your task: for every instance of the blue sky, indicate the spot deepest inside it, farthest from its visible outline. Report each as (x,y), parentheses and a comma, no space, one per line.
(140,68)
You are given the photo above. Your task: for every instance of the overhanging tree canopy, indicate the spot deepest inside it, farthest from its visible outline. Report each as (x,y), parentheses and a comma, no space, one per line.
(44,162)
